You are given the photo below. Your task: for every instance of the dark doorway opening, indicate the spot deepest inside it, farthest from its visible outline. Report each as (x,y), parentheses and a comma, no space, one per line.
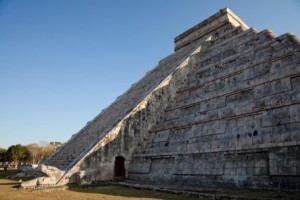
(119,167)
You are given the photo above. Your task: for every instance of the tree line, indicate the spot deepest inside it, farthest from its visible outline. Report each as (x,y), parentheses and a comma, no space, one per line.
(29,154)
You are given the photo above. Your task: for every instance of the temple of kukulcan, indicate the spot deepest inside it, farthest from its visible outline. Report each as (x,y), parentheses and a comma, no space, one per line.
(223,110)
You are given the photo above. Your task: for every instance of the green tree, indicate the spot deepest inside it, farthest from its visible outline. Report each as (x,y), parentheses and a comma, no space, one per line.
(3,155)
(18,153)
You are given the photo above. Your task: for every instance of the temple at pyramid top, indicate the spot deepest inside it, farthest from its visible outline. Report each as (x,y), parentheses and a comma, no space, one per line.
(223,17)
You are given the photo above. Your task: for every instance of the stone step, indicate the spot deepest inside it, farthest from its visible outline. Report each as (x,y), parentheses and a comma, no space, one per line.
(245,91)
(260,50)
(242,73)
(225,49)
(252,106)
(247,44)
(247,55)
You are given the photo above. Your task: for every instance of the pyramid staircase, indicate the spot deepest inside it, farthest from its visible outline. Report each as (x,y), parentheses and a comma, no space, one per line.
(235,78)
(80,143)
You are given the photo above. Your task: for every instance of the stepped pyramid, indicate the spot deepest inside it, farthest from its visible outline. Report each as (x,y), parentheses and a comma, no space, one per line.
(222,110)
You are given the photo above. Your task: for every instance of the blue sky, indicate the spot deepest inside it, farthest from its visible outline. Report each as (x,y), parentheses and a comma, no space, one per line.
(63,61)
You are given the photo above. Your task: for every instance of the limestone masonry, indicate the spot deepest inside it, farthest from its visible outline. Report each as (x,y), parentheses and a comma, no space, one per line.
(222,110)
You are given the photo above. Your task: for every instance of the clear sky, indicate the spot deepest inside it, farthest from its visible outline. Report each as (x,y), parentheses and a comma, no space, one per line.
(63,61)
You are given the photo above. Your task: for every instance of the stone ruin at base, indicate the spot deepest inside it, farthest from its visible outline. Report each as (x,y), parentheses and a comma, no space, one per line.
(222,110)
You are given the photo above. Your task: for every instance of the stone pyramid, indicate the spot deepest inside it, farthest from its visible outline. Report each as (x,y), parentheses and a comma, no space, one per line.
(222,110)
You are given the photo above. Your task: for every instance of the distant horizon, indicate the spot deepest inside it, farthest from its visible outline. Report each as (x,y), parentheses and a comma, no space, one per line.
(62,62)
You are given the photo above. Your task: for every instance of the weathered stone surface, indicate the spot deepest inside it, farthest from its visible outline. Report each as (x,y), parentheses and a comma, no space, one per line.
(52,177)
(223,110)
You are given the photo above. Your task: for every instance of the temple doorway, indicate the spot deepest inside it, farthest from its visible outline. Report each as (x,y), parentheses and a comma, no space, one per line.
(119,167)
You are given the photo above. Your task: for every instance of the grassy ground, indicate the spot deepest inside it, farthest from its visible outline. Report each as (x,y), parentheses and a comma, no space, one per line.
(9,190)
(268,194)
